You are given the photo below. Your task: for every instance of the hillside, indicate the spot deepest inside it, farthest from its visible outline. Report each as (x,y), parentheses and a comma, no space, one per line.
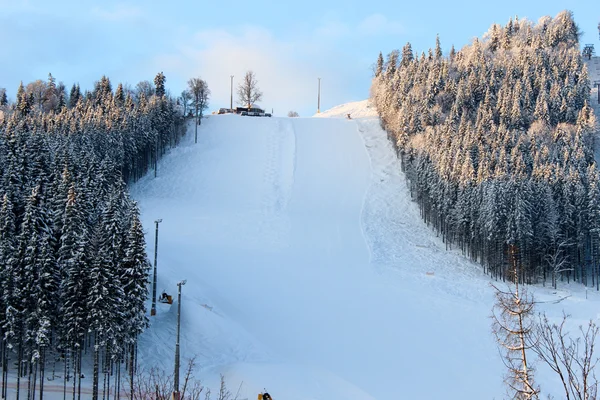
(497,142)
(356,109)
(309,272)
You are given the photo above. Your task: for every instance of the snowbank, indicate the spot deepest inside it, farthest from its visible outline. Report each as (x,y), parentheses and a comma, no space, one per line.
(357,109)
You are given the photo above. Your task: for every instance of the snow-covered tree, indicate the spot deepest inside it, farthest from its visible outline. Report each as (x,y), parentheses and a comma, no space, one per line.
(498,127)
(159,83)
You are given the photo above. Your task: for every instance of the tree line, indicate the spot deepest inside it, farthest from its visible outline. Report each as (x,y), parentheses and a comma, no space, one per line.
(496,142)
(73,264)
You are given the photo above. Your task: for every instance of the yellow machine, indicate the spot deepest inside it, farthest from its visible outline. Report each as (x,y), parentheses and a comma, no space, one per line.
(264,396)
(165,298)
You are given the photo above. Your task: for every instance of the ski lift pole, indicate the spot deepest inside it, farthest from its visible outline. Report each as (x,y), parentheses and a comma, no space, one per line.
(176,377)
(153,309)
(319,97)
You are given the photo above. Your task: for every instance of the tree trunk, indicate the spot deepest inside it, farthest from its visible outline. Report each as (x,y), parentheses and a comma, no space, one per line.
(95,383)
(74,358)
(118,380)
(196,126)
(20,355)
(42,371)
(34,383)
(79,374)
(4,368)
(65,375)
(131,369)
(105,390)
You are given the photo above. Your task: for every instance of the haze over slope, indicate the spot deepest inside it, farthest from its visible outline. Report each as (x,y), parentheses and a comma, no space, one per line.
(309,272)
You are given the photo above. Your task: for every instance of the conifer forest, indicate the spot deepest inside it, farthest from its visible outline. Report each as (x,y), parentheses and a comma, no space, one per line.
(496,142)
(73,265)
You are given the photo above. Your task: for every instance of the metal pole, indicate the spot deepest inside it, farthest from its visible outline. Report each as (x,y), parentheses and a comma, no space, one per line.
(319,98)
(176,377)
(231,100)
(153,309)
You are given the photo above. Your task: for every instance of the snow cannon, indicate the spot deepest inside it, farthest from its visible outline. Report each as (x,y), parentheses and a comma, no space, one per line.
(264,396)
(165,298)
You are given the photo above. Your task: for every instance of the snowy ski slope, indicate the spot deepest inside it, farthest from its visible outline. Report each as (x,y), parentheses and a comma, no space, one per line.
(356,109)
(309,271)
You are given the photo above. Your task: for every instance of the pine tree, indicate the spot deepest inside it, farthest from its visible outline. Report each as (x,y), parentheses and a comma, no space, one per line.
(50,96)
(106,294)
(20,92)
(62,96)
(119,96)
(135,277)
(438,48)
(74,96)
(495,37)
(74,261)
(407,55)
(3,98)
(24,104)
(379,66)
(47,287)
(391,64)
(8,257)
(159,82)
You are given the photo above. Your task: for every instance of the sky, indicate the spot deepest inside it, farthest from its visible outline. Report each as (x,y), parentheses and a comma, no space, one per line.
(289,45)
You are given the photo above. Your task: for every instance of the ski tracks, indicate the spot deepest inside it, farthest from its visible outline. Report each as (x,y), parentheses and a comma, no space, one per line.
(406,246)
(277,182)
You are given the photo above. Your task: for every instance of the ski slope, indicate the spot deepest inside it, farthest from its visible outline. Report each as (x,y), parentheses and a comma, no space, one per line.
(309,271)
(356,109)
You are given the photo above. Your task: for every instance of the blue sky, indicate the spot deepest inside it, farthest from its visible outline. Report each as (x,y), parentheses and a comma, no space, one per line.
(287,44)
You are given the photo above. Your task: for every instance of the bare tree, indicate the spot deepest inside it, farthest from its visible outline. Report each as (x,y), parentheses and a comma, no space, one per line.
(36,90)
(558,261)
(145,88)
(224,393)
(572,360)
(155,384)
(293,114)
(512,326)
(248,92)
(200,95)
(186,98)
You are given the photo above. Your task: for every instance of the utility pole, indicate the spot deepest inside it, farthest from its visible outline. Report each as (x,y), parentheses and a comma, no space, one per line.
(231,100)
(153,309)
(176,377)
(319,97)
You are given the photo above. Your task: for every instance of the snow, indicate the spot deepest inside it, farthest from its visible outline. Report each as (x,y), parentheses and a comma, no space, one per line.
(310,272)
(357,109)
